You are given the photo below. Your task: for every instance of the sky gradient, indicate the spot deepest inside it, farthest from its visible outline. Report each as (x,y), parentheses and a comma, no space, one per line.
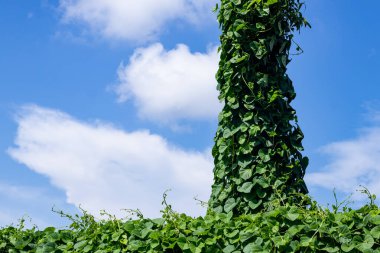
(107,104)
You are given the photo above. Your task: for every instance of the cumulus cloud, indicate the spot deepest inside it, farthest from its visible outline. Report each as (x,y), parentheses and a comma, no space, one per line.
(102,167)
(171,85)
(352,163)
(130,19)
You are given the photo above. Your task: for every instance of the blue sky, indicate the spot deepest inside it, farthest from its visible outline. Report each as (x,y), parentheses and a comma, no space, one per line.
(106,104)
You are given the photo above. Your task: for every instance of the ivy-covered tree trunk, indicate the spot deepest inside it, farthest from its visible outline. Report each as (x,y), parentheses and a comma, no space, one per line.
(257,150)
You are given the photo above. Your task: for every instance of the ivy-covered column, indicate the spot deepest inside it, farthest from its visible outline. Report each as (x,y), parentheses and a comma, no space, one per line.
(258,141)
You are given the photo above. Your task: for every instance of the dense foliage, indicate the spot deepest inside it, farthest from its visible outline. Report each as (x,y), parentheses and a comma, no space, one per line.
(258,201)
(285,228)
(257,145)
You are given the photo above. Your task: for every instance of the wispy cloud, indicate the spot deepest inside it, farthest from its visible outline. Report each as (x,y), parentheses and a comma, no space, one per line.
(20,192)
(352,163)
(102,167)
(132,20)
(373,111)
(20,201)
(171,85)
(6,219)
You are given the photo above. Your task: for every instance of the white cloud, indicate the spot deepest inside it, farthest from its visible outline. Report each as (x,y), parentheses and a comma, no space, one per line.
(131,19)
(102,167)
(352,163)
(171,85)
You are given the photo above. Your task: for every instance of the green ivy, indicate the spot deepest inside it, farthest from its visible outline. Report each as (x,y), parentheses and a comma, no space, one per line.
(286,228)
(257,151)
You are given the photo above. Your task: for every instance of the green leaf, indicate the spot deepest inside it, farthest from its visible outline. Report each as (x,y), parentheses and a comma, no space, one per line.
(264,11)
(49,247)
(234,106)
(129,227)
(331,249)
(293,230)
(304,162)
(375,220)
(243,163)
(242,139)
(262,182)
(145,232)
(245,188)
(244,128)
(270,2)
(375,232)
(238,59)
(88,248)
(182,243)
(255,204)
(279,241)
(294,245)
(223,146)
(249,100)
(264,80)
(252,247)
(227,14)
(306,241)
(245,174)
(274,96)
(215,9)
(261,193)
(229,205)
(258,48)
(253,130)
(232,234)
(240,27)
(260,26)
(366,244)
(80,245)
(216,189)
(229,249)
(264,156)
(291,215)
(347,247)
(159,221)
(261,169)
(248,116)
(49,230)
(284,60)
(115,236)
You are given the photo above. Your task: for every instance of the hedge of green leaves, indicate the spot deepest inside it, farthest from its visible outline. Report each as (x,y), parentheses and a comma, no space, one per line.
(258,201)
(284,228)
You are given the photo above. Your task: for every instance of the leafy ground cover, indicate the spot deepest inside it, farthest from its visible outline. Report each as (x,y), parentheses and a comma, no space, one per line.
(281,228)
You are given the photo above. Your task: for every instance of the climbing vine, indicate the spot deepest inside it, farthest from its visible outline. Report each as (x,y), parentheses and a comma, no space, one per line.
(258,144)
